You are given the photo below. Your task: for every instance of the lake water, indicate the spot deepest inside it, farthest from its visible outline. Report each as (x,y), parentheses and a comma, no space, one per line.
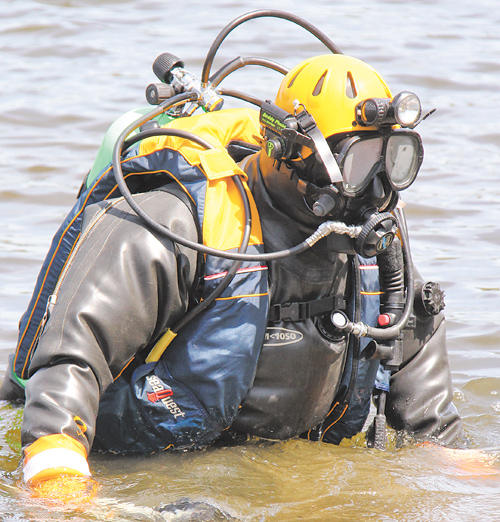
(70,67)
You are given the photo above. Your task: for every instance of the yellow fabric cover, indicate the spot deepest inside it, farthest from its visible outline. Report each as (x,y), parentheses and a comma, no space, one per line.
(223,213)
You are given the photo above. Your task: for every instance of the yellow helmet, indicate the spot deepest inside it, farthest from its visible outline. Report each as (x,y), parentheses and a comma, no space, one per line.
(330,87)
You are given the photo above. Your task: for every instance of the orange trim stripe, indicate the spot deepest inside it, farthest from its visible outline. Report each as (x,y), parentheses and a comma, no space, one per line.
(124,368)
(333,407)
(324,433)
(240,296)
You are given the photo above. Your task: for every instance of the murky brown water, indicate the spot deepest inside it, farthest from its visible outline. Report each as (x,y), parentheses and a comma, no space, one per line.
(70,67)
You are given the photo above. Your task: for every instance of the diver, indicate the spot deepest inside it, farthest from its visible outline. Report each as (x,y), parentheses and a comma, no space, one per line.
(297,307)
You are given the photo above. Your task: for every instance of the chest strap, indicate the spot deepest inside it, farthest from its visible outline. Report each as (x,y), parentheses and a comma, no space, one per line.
(302,311)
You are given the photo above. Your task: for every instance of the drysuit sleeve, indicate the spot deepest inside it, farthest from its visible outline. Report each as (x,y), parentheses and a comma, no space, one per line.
(420,397)
(124,286)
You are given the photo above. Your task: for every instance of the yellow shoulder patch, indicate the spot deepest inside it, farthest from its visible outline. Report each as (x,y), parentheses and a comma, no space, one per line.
(223,219)
(217,164)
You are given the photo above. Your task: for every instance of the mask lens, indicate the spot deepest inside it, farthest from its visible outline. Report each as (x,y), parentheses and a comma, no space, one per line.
(402,160)
(358,163)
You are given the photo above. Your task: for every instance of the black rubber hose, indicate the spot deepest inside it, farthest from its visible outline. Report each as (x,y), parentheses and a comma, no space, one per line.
(179,133)
(233,269)
(205,75)
(240,62)
(392,332)
(122,185)
(241,96)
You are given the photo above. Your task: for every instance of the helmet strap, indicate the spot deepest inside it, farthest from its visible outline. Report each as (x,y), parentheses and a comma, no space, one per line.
(308,125)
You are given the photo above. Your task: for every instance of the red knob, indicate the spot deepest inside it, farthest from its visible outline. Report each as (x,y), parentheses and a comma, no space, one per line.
(384,320)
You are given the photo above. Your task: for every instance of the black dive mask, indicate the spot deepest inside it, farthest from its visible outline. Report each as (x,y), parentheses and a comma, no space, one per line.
(397,154)
(374,167)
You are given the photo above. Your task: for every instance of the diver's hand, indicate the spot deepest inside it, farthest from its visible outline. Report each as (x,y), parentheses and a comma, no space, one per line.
(471,461)
(66,489)
(55,467)
(466,462)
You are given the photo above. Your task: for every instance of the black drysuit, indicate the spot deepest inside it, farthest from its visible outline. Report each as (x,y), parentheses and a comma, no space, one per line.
(127,285)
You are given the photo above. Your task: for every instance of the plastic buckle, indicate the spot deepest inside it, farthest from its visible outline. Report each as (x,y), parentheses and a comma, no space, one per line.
(293,311)
(306,121)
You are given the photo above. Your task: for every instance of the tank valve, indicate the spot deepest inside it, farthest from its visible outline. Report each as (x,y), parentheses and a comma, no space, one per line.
(170,70)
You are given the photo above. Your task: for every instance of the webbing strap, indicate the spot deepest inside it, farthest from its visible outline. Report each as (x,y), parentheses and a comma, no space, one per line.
(305,310)
(306,121)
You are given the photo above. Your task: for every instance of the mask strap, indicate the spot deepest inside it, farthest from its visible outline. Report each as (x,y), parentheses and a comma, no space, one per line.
(308,125)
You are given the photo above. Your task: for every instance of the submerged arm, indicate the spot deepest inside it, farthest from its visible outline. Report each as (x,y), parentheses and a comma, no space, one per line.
(124,288)
(420,397)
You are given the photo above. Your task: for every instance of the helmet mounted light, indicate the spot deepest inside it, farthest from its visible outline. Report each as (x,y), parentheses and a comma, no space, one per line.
(404,109)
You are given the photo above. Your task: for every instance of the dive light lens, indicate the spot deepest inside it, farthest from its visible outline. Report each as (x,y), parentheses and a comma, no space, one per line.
(407,108)
(403,158)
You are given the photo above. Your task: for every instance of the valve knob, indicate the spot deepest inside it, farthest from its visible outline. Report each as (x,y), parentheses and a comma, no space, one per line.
(429,299)
(376,235)
(159,92)
(275,148)
(164,64)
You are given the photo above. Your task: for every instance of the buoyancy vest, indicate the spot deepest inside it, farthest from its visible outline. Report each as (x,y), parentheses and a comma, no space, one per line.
(183,403)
